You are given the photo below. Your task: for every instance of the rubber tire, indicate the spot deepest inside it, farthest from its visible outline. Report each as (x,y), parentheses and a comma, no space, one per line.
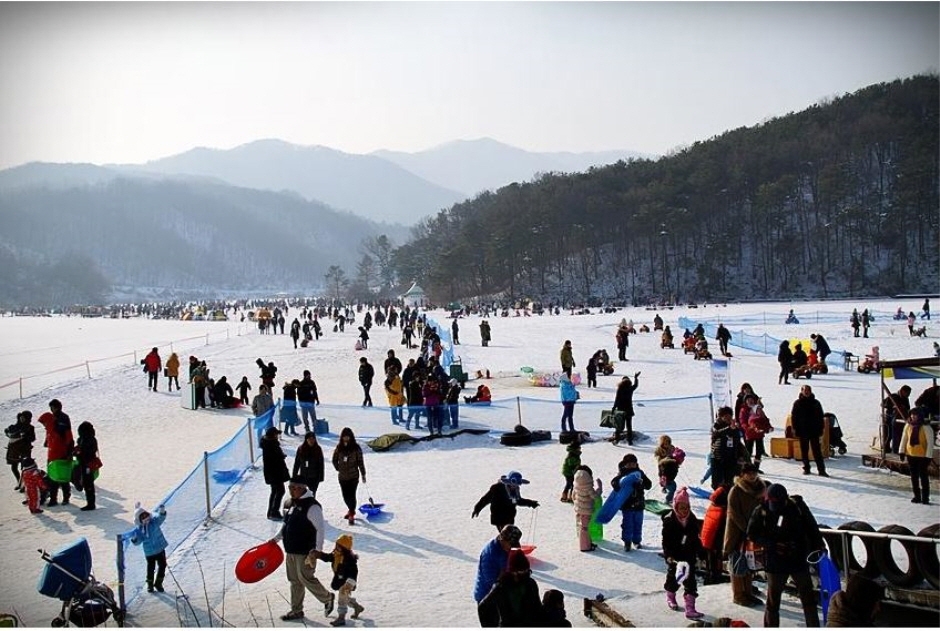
(870,570)
(885,560)
(926,556)
(834,543)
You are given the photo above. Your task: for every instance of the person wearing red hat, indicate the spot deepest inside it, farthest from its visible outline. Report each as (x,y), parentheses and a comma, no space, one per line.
(514,600)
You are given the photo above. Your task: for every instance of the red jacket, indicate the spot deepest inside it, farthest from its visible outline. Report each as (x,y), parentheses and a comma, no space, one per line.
(59,440)
(152,362)
(756,425)
(713,526)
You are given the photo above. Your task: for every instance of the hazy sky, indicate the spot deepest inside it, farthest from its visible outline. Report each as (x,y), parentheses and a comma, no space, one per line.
(110,82)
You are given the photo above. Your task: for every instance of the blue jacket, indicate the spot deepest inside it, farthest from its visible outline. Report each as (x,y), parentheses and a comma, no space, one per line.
(150,535)
(568,391)
(493,560)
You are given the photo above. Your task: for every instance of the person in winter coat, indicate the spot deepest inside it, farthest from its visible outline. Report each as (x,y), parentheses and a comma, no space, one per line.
(302,534)
(723,337)
(681,549)
(553,609)
(485,333)
(308,399)
(592,372)
(152,366)
(503,497)
(569,396)
(855,322)
(243,387)
(713,534)
(755,425)
(917,447)
(866,322)
(309,463)
(583,495)
(366,375)
(452,403)
(262,401)
(857,605)
(21,437)
(568,467)
(295,331)
(821,346)
(268,373)
(806,417)
(172,369)
(345,566)
(289,408)
(514,600)
(787,530)
(414,390)
(59,446)
(349,464)
(785,359)
(394,392)
(276,474)
(897,409)
(727,452)
(623,402)
(433,399)
(35,485)
(148,534)
(668,458)
(745,495)
(494,557)
(199,376)
(86,451)
(631,528)
(567,358)
(223,395)
(739,401)
(622,338)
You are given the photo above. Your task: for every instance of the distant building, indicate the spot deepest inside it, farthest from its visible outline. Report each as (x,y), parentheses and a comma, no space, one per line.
(414,297)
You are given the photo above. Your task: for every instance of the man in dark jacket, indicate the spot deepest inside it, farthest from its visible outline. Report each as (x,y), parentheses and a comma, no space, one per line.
(392,361)
(897,409)
(308,399)
(727,450)
(623,402)
(723,337)
(787,530)
(822,346)
(366,375)
(806,418)
(302,534)
(503,497)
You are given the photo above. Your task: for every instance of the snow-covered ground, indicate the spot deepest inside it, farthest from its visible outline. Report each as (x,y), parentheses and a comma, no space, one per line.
(417,564)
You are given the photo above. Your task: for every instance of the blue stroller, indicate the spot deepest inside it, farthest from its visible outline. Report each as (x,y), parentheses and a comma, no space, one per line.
(68,577)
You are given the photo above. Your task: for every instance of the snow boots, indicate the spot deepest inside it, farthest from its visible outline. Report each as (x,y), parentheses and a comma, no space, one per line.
(671,601)
(690,611)
(741,592)
(566,497)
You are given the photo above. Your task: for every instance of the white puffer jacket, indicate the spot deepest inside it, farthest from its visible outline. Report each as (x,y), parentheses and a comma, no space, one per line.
(584,492)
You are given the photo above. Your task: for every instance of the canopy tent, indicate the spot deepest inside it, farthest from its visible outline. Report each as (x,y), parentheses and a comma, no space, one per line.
(905,369)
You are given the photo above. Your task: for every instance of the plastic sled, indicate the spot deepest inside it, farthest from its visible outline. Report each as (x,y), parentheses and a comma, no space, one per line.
(371,510)
(60,470)
(258,562)
(657,508)
(527,549)
(596,530)
(699,492)
(228,476)
(829,583)
(615,500)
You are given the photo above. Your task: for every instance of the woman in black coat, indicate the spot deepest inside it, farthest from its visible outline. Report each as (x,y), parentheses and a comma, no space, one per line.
(86,450)
(276,474)
(308,463)
(785,359)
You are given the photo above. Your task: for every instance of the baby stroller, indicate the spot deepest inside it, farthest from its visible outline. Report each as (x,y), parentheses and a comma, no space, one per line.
(68,577)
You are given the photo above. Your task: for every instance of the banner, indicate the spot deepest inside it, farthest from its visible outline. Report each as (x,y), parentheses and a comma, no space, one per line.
(721,383)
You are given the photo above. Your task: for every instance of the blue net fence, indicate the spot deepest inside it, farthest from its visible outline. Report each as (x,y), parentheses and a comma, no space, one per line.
(762,343)
(192,502)
(447,344)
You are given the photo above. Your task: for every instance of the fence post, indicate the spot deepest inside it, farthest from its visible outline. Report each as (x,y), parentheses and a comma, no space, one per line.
(120,570)
(21,387)
(207,339)
(711,404)
(519,410)
(205,468)
(135,356)
(171,347)
(251,443)
(88,369)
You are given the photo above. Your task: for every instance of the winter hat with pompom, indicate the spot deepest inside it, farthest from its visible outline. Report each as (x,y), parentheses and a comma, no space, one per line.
(345,541)
(681,497)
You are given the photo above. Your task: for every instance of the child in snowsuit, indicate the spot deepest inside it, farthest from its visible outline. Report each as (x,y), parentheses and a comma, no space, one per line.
(583,497)
(568,467)
(243,387)
(592,372)
(22,435)
(668,459)
(631,528)
(681,548)
(33,480)
(345,573)
(149,535)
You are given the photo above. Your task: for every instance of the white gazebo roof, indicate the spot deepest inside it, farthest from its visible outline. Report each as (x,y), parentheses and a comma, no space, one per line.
(414,291)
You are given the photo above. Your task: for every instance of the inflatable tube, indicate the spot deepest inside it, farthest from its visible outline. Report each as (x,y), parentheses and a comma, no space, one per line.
(926,556)
(870,569)
(60,470)
(888,567)
(512,439)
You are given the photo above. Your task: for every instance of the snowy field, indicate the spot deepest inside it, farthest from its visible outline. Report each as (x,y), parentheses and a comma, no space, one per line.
(417,565)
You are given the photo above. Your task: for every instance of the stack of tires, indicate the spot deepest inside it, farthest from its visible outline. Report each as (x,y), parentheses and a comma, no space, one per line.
(922,560)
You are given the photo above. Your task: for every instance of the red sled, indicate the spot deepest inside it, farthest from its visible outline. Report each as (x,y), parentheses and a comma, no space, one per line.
(259,562)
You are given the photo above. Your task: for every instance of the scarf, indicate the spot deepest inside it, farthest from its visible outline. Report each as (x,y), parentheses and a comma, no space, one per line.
(915,431)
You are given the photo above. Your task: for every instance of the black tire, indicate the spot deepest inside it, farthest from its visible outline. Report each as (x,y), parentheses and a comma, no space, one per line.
(926,556)
(834,543)
(885,559)
(870,569)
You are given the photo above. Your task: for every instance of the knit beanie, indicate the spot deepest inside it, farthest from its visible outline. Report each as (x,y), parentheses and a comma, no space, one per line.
(345,541)
(681,497)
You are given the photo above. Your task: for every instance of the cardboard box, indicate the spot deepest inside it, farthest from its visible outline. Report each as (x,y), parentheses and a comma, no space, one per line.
(781,447)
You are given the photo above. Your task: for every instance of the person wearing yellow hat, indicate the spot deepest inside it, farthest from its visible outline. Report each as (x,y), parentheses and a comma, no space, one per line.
(345,573)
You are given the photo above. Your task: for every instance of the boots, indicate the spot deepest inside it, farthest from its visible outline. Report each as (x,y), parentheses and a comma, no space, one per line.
(150,585)
(566,497)
(340,621)
(671,601)
(690,611)
(741,592)
(357,609)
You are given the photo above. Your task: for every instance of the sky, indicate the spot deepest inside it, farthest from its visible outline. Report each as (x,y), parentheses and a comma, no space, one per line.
(131,82)
(424,552)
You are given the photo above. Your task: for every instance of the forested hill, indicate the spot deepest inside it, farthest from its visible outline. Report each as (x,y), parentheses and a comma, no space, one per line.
(838,200)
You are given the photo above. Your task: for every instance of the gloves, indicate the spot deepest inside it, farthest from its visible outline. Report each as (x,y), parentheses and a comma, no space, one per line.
(311,560)
(636,374)
(474,514)
(682,571)
(535,504)
(161,509)
(363,478)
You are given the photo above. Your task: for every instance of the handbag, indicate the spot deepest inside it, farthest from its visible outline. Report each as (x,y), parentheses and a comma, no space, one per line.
(754,553)
(609,418)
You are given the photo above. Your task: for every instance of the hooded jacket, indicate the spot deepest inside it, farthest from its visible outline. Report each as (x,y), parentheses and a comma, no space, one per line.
(149,534)
(743,498)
